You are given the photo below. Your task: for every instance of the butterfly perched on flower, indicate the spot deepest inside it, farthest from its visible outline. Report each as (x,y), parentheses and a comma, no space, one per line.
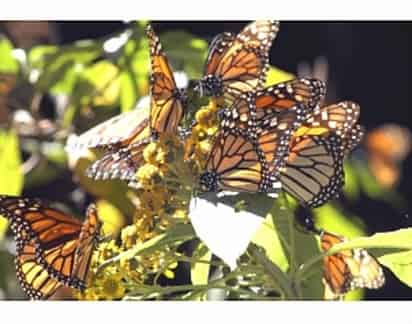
(348,269)
(238,64)
(263,121)
(313,172)
(235,163)
(124,137)
(53,249)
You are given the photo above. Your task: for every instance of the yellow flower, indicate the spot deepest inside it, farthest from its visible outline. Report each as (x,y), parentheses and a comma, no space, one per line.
(150,152)
(89,294)
(169,272)
(206,116)
(180,214)
(108,250)
(132,268)
(199,143)
(112,287)
(129,236)
(149,175)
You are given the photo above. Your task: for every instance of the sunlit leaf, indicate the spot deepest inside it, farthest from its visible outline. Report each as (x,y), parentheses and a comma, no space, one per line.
(334,220)
(54,152)
(112,218)
(135,66)
(8,64)
(276,75)
(400,264)
(128,91)
(199,272)
(186,52)
(60,67)
(399,239)
(105,77)
(11,172)
(267,237)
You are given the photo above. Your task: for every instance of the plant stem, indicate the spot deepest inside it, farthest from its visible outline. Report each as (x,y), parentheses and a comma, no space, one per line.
(278,277)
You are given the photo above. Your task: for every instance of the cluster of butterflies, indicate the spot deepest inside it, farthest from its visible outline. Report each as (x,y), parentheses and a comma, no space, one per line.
(269,138)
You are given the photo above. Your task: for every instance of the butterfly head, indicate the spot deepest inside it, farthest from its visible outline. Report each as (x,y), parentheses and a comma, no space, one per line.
(208,181)
(210,85)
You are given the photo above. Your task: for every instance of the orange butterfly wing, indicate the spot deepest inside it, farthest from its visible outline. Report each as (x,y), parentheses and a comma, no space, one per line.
(238,64)
(166,99)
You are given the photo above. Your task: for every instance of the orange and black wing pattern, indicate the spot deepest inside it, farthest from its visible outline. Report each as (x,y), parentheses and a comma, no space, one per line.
(238,64)
(33,277)
(261,108)
(313,172)
(349,269)
(236,164)
(167,101)
(338,118)
(61,243)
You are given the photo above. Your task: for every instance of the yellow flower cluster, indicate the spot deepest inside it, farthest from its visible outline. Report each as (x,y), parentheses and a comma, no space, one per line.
(199,143)
(165,182)
(108,284)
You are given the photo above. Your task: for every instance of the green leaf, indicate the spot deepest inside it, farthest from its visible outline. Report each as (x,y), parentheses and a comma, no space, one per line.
(267,237)
(293,242)
(135,65)
(10,169)
(105,77)
(352,185)
(276,75)
(60,67)
(400,264)
(199,271)
(400,239)
(112,218)
(128,91)
(10,164)
(178,234)
(330,218)
(185,51)
(54,152)
(8,64)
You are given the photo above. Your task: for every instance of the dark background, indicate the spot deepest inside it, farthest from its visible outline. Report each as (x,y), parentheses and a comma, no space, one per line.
(369,63)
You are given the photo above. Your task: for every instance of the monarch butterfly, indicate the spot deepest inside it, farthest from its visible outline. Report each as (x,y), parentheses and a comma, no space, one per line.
(313,172)
(270,116)
(127,135)
(237,64)
(236,164)
(51,243)
(260,108)
(349,269)
(339,118)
